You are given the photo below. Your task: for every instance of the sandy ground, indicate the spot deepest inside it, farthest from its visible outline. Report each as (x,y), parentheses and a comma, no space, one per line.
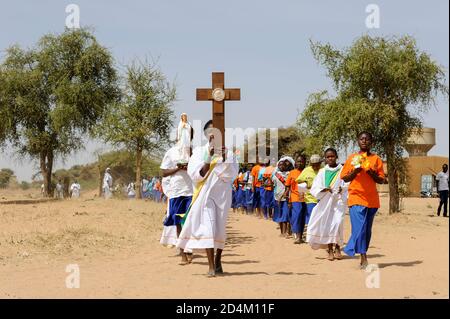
(116,247)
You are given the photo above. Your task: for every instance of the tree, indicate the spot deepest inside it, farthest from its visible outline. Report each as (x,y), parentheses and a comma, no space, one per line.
(290,142)
(53,94)
(142,120)
(5,177)
(383,86)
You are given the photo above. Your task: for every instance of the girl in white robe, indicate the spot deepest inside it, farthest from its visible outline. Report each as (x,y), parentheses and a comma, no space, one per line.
(326,229)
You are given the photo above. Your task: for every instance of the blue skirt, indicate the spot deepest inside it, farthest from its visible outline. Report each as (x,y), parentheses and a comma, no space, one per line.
(262,197)
(361,218)
(240,197)
(309,209)
(276,212)
(177,206)
(269,199)
(249,199)
(257,197)
(284,212)
(298,217)
(233,199)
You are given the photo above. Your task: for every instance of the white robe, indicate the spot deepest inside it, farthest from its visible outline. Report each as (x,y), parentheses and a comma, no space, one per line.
(326,223)
(205,225)
(75,189)
(169,234)
(107,185)
(176,185)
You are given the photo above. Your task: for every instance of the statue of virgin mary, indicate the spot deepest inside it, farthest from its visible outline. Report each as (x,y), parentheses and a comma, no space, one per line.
(184,138)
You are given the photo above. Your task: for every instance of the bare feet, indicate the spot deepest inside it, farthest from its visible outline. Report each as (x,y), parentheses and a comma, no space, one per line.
(184,260)
(330,255)
(219,269)
(337,253)
(364,263)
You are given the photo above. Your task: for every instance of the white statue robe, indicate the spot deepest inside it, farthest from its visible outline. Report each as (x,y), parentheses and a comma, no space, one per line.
(184,140)
(205,225)
(326,223)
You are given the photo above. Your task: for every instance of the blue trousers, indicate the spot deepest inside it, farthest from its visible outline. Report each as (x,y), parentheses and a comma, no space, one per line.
(361,218)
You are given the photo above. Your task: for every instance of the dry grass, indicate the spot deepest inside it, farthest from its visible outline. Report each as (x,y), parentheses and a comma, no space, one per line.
(80,228)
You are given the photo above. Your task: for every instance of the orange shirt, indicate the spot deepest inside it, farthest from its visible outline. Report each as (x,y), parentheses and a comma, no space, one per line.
(363,189)
(235,183)
(255,172)
(268,174)
(293,186)
(240,180)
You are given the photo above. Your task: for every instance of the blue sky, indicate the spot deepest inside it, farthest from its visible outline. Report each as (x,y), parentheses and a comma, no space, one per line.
(262,46)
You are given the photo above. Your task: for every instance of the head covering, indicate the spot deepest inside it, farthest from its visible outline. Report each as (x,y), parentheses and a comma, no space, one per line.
(315,159)
(287,158)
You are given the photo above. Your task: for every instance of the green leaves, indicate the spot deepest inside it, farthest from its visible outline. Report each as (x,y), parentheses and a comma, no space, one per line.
(383,85)
(143,117)
(53,94)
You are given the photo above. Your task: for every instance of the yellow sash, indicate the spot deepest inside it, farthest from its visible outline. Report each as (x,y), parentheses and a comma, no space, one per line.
(198,188)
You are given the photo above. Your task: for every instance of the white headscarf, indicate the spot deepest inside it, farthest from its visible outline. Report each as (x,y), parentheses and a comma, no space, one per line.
(287,158)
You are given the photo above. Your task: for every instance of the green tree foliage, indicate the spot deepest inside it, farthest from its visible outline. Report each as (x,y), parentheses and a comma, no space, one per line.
(383,86)
(142,120)
(290,142)
(123,170)
(5,177)
(25,185)
(53,94)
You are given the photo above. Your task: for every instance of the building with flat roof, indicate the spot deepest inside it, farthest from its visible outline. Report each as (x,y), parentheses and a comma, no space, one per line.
(422,168)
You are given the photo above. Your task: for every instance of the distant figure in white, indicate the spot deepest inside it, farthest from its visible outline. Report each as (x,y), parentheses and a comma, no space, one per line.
(130,190)
(75,189)
(59,190)
(107,184)
(184,138)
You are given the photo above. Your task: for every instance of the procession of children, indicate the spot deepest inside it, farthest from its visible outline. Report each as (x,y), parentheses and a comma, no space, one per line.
(309,203)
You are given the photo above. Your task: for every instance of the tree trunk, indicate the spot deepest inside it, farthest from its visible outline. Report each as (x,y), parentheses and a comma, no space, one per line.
(46,164)
(100,180)
(44,173)
(394,194)
(138,173)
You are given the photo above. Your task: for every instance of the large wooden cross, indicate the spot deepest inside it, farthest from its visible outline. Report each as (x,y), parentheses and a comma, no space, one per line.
(218,95)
